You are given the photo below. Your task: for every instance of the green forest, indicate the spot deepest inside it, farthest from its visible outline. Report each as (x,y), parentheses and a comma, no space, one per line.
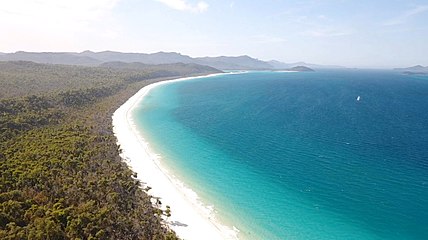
(61,176)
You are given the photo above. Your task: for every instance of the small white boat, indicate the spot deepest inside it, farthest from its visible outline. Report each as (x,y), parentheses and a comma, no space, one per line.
(358,98)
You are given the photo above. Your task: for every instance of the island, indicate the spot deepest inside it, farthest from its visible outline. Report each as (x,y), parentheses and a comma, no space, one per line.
(415,70)
(301,69)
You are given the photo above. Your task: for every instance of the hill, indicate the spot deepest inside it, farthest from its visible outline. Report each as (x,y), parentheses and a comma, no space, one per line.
(154,58)
(89,58)
(232,63)
(173,69)
(51,58)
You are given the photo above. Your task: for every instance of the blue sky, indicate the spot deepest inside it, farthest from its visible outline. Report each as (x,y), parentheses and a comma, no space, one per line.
(351,33)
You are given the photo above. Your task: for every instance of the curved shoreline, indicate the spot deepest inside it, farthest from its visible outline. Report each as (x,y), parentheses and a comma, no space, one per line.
(190,218)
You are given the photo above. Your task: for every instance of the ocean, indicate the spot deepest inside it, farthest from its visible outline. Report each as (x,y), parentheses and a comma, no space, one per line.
(331,154)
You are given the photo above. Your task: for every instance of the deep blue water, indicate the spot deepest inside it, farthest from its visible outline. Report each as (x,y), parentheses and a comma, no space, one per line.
(295,155)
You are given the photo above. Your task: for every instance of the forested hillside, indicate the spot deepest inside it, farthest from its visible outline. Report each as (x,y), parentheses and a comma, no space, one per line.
(61,176)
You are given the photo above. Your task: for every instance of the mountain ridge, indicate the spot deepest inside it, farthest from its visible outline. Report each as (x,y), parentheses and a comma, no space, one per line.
(90,58)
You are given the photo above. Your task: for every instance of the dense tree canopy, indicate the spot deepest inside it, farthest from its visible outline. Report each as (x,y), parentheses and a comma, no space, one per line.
(61,176)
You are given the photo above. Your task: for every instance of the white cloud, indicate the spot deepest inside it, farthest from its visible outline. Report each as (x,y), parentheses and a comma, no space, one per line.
(324,32)
(183,5)
(403,17)
(53,24)
(267,39)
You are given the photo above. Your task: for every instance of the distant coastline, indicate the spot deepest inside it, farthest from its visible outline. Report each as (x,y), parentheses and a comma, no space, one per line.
(89,58)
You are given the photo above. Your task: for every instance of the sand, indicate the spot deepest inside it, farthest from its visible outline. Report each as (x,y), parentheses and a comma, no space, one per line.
(190,219)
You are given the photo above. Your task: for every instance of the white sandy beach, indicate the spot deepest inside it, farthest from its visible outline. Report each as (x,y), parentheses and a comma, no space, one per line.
(190,218)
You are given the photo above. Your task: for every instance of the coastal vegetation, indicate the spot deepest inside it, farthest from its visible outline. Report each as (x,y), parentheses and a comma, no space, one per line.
(61,176)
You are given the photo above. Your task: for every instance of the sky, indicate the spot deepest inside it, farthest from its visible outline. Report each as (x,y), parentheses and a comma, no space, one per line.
(364,33)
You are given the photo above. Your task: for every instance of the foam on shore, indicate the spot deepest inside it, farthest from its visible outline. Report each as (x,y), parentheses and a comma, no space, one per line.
(190,219)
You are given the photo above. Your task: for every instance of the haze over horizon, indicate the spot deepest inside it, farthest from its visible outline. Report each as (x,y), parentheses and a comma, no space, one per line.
(338,32)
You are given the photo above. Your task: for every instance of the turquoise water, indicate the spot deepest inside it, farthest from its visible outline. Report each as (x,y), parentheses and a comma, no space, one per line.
(295,155)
